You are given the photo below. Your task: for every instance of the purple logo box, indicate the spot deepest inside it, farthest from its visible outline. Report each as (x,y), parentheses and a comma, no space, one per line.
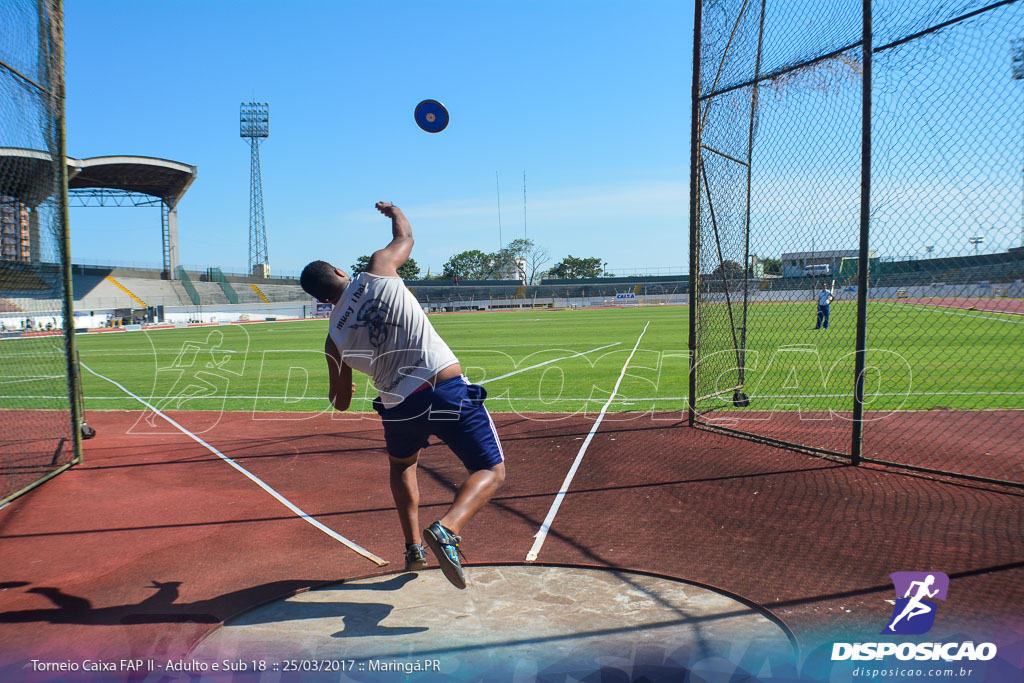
(914,611)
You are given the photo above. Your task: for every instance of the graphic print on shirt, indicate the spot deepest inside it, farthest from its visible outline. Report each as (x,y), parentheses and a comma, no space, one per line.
(373,315)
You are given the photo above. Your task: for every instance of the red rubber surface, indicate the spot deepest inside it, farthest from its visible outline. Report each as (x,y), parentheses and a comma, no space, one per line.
(154,539)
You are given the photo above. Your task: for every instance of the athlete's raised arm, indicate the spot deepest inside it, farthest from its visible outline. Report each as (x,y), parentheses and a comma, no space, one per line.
(388,260)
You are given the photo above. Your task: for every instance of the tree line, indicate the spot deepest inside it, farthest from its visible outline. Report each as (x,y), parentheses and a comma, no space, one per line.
(733,270)
(520,259)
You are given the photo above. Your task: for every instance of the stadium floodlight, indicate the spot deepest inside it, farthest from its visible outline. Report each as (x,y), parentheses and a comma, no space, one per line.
(254,125)
(254,120)
(976,240)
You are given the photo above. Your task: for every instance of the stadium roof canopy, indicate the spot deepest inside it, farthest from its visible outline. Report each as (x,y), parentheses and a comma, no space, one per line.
(168,180)
(25,175)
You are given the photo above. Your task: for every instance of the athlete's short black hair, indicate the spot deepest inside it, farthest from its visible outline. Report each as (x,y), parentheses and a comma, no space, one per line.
(319,280)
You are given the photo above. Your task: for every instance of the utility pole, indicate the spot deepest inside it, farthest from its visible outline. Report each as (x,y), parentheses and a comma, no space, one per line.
(1017,72)
(524,205)
(497,190)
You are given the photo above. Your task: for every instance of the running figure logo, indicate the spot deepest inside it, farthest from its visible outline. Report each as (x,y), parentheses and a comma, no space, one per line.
(913,614)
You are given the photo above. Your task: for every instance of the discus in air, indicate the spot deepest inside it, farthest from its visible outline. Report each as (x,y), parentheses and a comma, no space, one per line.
(431,116)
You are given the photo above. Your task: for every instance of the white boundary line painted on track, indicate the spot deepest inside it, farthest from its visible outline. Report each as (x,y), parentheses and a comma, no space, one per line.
(170,350)
(542,533)
(577,399)
(259,482)
(549,362)
(39,378)
(945,309)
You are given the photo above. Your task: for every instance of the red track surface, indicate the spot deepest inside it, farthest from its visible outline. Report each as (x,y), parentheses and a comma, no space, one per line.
(978,303)
(979,443)
(154,539)
(33,443)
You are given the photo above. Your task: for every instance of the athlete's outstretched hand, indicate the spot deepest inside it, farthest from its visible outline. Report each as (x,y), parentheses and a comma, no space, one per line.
(388,209)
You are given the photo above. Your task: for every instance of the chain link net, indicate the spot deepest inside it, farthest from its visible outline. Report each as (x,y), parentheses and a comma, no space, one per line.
(778,231)
(36,434)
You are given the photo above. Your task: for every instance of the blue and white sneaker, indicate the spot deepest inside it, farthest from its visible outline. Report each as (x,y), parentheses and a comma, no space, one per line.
(446,546)
(415,557)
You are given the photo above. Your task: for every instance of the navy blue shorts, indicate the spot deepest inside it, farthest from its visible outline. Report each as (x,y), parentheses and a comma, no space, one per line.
(454,412)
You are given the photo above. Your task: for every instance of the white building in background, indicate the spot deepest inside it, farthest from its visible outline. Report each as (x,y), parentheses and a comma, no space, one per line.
(817,263)
(520,273)
(516,270)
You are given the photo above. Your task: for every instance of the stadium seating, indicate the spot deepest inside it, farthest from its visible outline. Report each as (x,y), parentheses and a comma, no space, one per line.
(26,289)
(961,270)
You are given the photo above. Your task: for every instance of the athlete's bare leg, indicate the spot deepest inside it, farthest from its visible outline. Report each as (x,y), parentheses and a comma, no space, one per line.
(406,492)
(473,494)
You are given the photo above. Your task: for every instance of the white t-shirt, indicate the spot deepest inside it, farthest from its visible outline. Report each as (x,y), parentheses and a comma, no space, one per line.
(381,330)
(823,297)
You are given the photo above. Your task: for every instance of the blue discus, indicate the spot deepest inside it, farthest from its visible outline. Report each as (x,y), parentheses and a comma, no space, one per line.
(431,116)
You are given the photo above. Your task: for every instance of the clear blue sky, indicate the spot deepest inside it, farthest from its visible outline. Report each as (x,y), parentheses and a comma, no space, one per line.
(589,98)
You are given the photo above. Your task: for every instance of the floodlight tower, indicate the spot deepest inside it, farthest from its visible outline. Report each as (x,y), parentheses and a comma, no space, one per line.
(255,126)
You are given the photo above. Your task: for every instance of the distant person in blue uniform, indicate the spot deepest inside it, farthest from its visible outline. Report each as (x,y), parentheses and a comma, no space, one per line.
(824,299)
(378,327)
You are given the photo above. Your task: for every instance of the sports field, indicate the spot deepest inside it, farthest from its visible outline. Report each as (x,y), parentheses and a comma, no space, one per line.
(559,361)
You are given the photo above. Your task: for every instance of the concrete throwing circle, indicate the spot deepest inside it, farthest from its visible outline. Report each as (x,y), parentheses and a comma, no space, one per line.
(512,622)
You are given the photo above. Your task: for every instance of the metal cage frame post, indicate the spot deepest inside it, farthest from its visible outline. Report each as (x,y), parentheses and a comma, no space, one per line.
(695,135)
(746,236)
(857,437)
(57,93)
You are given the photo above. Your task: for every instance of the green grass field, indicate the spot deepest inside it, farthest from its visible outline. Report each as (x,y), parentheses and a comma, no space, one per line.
(559,361)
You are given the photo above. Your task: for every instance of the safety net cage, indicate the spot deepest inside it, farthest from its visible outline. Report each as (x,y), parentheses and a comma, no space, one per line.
(38,410)
(857,230)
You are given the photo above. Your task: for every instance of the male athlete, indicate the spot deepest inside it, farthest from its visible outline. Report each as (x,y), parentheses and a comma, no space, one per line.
(378,328)
(824,299)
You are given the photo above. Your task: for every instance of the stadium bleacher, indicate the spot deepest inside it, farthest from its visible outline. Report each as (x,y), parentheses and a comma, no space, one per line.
(210,293)
(95,288)
(281,293)
(8,306)
(246,294)
(20,276)
(518,291)
(959,270)
(25,288)
(1003,267)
